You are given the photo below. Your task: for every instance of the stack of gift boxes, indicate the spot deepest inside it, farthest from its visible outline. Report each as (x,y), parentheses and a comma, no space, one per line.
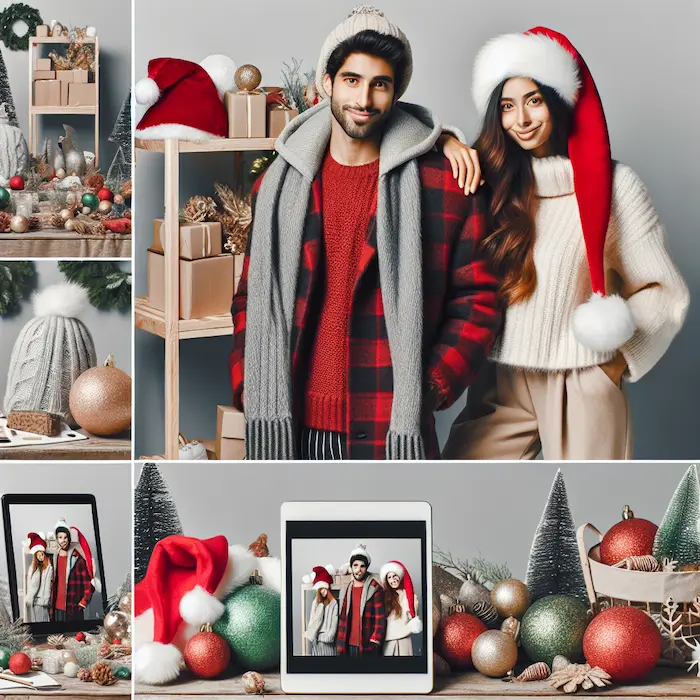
(208,276)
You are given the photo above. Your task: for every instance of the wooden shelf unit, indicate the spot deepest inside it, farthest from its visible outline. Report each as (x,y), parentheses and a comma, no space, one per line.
(36,112)
(167,324)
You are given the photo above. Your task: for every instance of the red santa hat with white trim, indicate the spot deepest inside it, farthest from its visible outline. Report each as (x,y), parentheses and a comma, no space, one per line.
(321,576)
(185,99)
(604,322)
(35,542)
(396,567)
(186,580)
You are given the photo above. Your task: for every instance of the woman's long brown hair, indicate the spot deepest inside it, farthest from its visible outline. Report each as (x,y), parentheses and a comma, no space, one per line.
(507,169)
(43,565)
(392,604)
(324,601)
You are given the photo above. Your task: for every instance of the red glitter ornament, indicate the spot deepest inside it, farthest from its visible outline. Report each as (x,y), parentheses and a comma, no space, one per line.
(455,637)
(623,641)
(105,195)
(80,637)
(16,183)
(207,654)
(631,537)
(20,663)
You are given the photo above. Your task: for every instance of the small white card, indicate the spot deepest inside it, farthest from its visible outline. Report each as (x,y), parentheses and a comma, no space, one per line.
(38,679)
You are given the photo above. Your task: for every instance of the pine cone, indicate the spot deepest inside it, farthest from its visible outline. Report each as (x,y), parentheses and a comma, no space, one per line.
(126,190)
(94,181)
(56,220)
(85,675)
(34,223)
(5,219)
(102,674)
(198,208)
(88,228)
(259,547)
(104,650)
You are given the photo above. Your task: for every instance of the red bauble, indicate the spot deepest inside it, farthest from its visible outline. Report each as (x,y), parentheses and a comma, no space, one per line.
(20,663)
(631,537)
(207,654)
(455,637)
(80,637)
(105,194)
(116,641)
(16,183)
(623,641)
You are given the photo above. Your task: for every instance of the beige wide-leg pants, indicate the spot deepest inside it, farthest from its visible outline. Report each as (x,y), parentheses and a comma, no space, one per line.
(571,415)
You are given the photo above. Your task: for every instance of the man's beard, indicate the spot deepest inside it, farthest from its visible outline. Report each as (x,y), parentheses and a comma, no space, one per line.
(360,575)
(353,130)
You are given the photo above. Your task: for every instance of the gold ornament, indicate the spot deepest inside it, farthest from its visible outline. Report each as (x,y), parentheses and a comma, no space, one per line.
(116,625)
(535,672)
(67,214)
(253,683)
(511,598)
(494,653)
(575,676)
(125,603)
(104,207)
(69,225)
(100,401)
(19,224)
(511,626)
(247,77)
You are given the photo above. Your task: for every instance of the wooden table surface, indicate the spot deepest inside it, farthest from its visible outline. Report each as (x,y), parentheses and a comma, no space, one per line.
(54,243)
(73,688)
(94,448)
(661,682)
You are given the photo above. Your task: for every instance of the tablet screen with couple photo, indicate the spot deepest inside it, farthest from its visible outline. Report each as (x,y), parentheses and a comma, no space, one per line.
(57,576)
(358,593)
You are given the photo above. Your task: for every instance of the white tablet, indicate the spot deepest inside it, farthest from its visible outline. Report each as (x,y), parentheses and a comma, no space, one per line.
(356,598)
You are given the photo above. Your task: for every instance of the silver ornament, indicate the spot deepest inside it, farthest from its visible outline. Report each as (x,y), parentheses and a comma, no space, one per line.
(125,603)
(472,593)
(116,625)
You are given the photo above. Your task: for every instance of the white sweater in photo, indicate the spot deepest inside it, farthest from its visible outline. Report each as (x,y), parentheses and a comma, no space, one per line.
(397,627)
(538,332)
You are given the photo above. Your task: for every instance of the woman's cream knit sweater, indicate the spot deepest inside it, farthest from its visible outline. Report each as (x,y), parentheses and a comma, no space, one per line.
(538,332)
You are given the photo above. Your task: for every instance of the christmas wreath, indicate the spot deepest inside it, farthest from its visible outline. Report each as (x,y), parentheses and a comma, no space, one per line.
(108,286)
(18,12)
(15,282)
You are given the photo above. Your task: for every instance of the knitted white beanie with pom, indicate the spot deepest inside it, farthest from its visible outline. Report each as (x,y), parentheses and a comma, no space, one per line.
(51,352)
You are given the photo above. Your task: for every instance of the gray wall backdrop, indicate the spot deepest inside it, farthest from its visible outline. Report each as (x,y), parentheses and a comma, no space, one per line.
(111,486)
(110,330)
(113,23)
(643,63)
(309,553)
(490,508)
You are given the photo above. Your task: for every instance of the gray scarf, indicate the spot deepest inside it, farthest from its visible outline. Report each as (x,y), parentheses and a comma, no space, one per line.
(277,236)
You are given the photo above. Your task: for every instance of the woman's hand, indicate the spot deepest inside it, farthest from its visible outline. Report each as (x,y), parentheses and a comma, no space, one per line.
(615,368)
(464,161)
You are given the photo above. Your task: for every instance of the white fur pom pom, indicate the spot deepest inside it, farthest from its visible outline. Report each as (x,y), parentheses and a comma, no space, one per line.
(69,300)
(415,626)
(146,91)
(198,607)
(156,663)
(603,323)
(221,70)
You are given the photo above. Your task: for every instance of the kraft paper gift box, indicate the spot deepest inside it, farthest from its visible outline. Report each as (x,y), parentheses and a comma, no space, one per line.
(47,93)
(230,433)
(82,95)
(206,285)
(202,240)
(65,76)
(43,64)
(247,114)
(64,93)
(80,75)
(277,119)
(45,75)
(42,30)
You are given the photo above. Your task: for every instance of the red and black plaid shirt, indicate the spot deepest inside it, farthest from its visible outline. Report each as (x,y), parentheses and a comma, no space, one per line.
(78,586)
(373,620)
(461,312)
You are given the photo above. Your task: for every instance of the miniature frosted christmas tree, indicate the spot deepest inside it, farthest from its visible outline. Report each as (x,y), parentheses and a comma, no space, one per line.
(155,517)
(678,536)
(120,169)
(554,565)
(6,93)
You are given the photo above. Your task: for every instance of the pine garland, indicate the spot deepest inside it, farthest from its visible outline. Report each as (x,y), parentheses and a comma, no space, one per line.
(16,280)
(14,636)
(108,286)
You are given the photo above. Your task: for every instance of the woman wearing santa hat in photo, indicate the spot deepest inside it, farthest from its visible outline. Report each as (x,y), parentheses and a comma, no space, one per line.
(323,619)
(593,295)
(37,597)
(401,605)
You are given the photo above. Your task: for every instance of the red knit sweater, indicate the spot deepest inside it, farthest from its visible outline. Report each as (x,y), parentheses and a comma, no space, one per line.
(349,195)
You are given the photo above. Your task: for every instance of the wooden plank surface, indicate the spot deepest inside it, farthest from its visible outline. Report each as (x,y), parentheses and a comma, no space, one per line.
(58,109)
(209,146)
(661,683)
(152,320)
(94,448)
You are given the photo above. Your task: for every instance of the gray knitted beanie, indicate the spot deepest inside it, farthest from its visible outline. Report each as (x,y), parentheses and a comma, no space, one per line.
(51,352)
(361,18)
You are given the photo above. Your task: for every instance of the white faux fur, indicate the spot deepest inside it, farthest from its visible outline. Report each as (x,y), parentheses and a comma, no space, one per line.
(96,584)
(173,131)
(603,323)
(524,55)
(198,607)
(156,663)
(67,299)
(390,568)
(241,564)
(221,70)
(415,626)
(146,92)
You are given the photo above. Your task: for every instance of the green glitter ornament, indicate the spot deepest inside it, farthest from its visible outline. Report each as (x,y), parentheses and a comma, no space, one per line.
(4,201)
(123,672)
(90,200)
(554,625)
(251,626)
(5,655)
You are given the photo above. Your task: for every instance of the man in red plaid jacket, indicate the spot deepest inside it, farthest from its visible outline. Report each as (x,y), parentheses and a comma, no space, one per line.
(380,331)
(72,587)
(361,617)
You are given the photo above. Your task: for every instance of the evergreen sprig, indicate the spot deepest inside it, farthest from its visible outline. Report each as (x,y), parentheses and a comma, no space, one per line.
(108,286)
(15,283)
(14,636)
